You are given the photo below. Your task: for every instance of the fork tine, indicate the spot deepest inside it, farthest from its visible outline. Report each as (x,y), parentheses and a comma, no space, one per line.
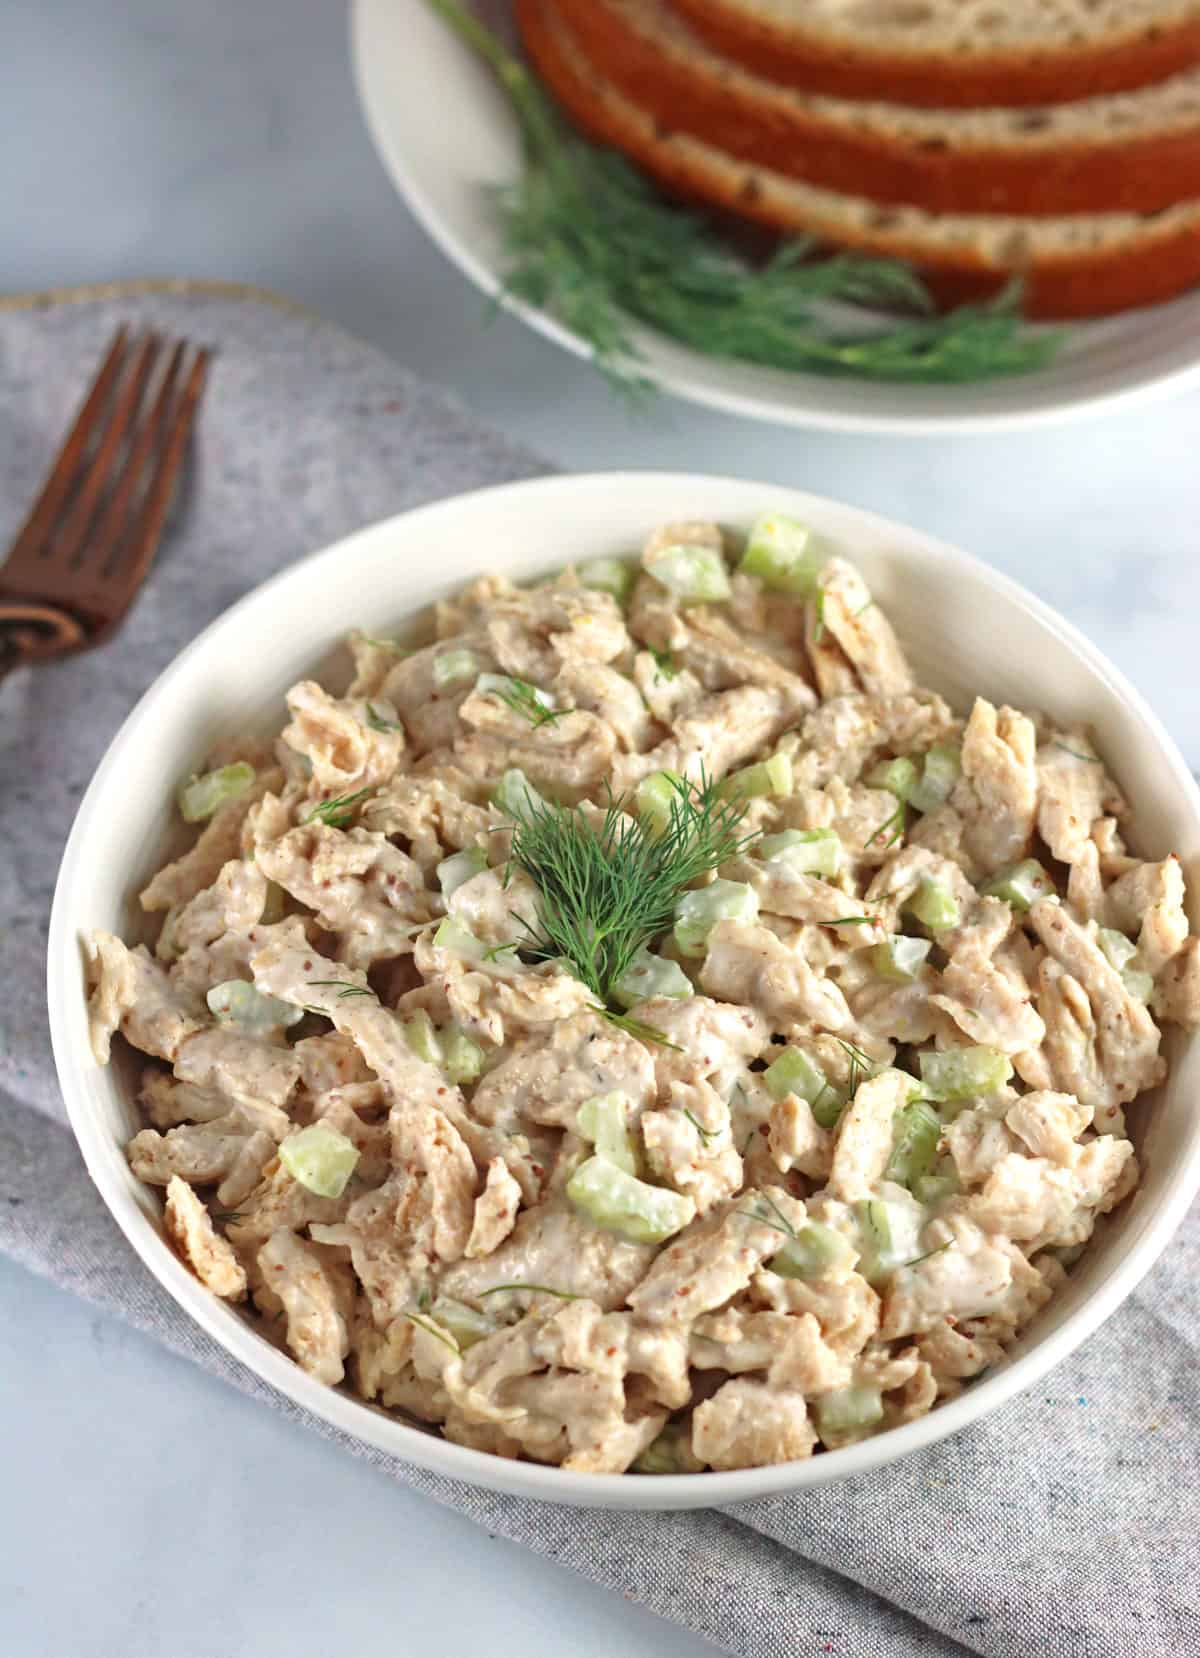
(45,509)
(148,527)
(109,531)
(70,538)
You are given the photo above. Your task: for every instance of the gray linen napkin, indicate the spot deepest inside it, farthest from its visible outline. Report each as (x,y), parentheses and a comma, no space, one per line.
(1063,1527)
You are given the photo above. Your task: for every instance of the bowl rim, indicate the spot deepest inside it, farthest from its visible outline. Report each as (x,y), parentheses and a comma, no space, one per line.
(390,1434)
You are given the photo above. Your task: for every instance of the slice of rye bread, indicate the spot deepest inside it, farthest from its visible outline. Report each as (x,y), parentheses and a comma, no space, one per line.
(1131,152)
(1072,266)
(963,53)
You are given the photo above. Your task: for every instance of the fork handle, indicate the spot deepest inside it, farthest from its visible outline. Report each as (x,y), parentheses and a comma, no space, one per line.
(32,632)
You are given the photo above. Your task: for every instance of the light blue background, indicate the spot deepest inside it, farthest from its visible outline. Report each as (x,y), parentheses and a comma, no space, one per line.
(150,1512)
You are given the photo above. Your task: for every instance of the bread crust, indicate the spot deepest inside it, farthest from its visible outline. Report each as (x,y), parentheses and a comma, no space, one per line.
(760,122)
(1158,260)
(806,60)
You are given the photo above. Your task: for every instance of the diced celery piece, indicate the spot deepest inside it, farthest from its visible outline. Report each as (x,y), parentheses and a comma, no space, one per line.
(274,905)
(767,777)
(942,767)
(775,846)
(458,940)
(935,906)
(670,1453)
(237,1003)
(604,1120)
(781,553)
(200,797)
(697,913)
(655,797)
(455,871)
(462,1057)
(1119,950)
(320,1159)
(1120,953)
(829,1104)
(454,667)
(849,1410)
(814,1251)
(939,773)
(422,1038)
(516,795)
(504,685)
(794,1073)
(465,1324)
(891,1235)
(917,1131)
(167,947)
(806,851)
(650,975)
(899,777)
(620,1203)
(696,575)
(608,575)
(942,1183)
(899,957)
(959,1073)
(1021,886)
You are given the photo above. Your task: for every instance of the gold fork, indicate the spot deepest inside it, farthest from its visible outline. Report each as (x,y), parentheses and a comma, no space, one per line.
(83,552)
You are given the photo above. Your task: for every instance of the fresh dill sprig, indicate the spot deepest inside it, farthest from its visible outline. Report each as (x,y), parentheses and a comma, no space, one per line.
(495,951)
(377,722)
(1078,754)
(854,1051)
(640,1028)
(928,1255)
(438,1334)
(851,921)
(337,811)
(665,662)
(391,645)
(589,239)
(526,700)
(784,1221)
(861,1064)
(780,1224)
(605,892)
(343,986)
(706,1134)
(534,1289)
(894,820)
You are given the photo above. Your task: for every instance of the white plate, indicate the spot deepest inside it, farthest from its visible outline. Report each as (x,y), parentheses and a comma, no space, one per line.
(966,628)
(446,134)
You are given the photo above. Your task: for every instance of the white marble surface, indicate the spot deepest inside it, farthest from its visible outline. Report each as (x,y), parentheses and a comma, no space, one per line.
(223,140)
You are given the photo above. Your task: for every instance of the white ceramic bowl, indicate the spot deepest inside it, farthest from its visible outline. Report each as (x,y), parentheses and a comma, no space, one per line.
(966,629)
(411,69)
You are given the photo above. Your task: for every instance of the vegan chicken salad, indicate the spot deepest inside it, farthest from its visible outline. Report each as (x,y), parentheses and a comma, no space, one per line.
(642,1029)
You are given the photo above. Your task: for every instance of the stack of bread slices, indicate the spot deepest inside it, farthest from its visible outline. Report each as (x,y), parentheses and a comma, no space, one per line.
(1054,140)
